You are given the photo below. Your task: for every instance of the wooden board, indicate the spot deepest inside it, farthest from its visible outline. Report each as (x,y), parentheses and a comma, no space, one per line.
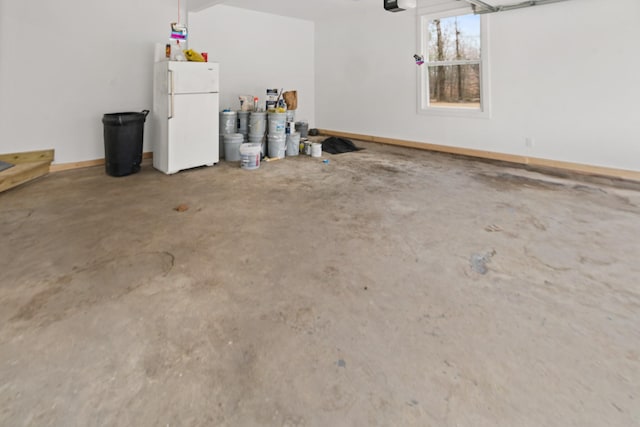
(76,165)
(21,173)
(28,165)
(27,157)
(511,158)
(87,164)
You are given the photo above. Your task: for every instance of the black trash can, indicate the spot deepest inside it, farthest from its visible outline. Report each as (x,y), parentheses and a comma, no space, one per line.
(123,137)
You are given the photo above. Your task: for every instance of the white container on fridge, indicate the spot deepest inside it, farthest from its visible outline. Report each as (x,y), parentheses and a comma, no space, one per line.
(185,115)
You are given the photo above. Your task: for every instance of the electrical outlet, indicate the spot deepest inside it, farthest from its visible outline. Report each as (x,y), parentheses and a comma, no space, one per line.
(529,142)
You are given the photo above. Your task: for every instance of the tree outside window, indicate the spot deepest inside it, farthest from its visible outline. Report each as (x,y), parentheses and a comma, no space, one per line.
(455,68)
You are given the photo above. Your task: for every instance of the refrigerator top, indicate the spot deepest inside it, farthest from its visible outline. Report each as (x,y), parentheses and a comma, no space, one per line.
(193,77)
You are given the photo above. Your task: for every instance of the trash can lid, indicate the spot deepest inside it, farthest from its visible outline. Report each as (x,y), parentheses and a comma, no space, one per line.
(119,119)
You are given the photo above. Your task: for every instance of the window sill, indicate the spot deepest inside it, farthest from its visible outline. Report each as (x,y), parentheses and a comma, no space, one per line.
(471,113)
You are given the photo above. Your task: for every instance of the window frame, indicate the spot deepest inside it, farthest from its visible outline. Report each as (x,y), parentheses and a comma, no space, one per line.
(423,107)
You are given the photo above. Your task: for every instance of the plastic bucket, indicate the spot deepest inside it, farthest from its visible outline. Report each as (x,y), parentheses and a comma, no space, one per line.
(259,139)
(277,146)
(243,121)
(293,144)
(250,156)
(316,149)
(232,143)
(277,123)
(228,122)
(258,123)
(291,128)
(221,146)
(291,115)
(123,137)
(302,128)
(256,139)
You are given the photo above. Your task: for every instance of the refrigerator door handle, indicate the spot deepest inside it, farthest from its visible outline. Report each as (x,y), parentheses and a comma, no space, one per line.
(171,93)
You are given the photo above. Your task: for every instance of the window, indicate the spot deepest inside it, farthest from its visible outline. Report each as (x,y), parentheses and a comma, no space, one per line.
(454,78)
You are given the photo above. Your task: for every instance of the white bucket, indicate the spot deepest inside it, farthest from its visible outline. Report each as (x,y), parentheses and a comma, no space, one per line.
(228,122)
(291,115)
(232,144)
(277,146)
(277,123)
(259,139)
(316,149)
(293,144)
(258,123)
(250,156)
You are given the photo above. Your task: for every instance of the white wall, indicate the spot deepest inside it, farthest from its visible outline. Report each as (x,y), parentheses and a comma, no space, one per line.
(65,63)
(257,51)
(565,74)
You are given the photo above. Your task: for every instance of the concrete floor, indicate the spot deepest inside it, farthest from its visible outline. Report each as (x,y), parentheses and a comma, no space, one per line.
(390,287)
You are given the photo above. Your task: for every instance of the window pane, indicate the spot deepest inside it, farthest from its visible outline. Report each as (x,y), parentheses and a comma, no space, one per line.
(454,86)
(454,38)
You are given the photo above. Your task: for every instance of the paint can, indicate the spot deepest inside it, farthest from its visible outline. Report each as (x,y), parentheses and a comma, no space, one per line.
(316,149)
(307,148)
(228,122)
(232,143)
(293,144)
(303,128)
(277,123)
(243,122)
(291,115)
(291,128)
(271,99)
(277,146)
(258,123)
(259,139)
(250,156)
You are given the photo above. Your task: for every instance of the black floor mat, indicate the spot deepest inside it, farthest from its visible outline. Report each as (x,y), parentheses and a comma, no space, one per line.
(5,165)
(335,145)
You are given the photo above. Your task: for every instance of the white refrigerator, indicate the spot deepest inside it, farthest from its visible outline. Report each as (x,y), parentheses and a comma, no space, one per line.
(185,115)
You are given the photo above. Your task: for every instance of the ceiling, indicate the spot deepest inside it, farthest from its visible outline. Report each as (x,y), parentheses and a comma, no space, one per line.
(198,5)
(311,10)
(315,10)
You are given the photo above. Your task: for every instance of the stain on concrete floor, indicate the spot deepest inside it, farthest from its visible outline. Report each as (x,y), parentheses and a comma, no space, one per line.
(250,307)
